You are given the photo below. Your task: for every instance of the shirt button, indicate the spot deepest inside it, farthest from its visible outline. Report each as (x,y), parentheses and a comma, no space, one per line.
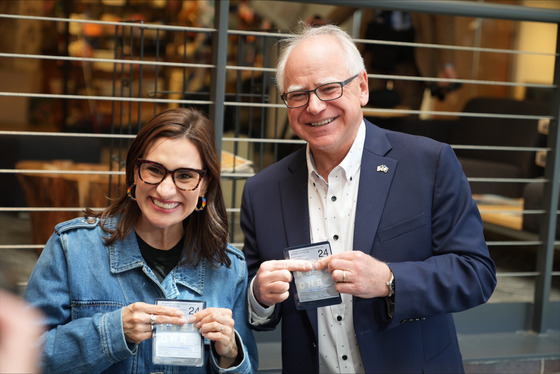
(339,318)
(333,198)
(91,221)
(335,237)
(344,357)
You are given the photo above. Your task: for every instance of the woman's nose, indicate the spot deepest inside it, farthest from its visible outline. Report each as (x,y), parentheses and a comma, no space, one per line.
(167,185)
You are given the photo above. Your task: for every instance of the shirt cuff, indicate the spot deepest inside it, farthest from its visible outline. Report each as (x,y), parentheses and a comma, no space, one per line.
(258,315)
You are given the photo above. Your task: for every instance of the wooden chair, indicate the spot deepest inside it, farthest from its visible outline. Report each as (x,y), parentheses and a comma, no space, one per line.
(43,190)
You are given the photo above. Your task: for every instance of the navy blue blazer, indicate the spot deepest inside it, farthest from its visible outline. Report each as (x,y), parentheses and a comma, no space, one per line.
(418,215)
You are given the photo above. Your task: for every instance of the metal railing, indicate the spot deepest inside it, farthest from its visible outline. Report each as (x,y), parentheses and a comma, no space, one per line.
(251,123)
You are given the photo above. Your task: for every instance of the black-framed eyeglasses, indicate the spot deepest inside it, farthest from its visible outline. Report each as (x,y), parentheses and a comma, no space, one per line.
(185,179)
(325,92)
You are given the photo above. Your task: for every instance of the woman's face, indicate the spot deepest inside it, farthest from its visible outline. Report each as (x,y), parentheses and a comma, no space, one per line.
(164,206)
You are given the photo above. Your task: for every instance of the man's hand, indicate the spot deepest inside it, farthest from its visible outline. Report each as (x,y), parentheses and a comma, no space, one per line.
(357,274)
(272,282)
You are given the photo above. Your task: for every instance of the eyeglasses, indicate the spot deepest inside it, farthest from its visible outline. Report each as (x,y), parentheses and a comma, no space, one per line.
(325,92)
(185,179)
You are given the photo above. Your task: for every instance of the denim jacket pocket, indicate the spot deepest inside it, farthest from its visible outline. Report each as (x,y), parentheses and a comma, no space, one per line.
(88,308)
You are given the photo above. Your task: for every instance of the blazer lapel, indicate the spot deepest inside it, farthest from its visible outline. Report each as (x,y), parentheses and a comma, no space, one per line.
(293,192)
(376,176)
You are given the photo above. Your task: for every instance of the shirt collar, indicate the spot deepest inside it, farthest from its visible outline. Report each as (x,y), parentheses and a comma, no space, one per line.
(351,163)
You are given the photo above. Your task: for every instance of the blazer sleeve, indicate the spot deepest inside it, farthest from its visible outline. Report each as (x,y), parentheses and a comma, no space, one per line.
(460,273)
(250,247)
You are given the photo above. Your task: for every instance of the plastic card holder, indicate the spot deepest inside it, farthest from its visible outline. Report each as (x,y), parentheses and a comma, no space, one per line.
(175,344)
(313,289)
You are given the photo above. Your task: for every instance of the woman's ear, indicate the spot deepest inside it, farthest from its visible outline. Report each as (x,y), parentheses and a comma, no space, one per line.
(203,186)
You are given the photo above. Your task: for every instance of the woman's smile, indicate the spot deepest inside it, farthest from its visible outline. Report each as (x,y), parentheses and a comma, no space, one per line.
(164,205)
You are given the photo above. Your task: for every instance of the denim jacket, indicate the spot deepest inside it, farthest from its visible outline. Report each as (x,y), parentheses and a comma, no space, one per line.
(82,285)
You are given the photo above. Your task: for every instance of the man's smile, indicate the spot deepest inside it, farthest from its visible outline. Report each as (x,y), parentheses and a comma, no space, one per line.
(322,123)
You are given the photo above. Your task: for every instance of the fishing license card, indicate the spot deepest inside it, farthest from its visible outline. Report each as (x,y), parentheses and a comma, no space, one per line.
(313,289)
(178,344)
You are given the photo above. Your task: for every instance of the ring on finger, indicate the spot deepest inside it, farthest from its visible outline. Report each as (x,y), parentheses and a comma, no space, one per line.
(343,276)
(152,319)
(222,329)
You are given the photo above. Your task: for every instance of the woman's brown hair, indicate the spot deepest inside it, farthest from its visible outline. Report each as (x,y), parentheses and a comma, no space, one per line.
(206,231)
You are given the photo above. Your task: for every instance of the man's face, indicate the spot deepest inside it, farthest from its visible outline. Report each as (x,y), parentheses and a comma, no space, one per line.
(328,126)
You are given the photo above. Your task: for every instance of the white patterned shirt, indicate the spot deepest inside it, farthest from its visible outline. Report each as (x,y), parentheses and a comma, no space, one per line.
(332,212)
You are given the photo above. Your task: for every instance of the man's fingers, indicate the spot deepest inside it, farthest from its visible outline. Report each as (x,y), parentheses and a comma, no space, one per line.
(291,265)
(338,259)
(271,285)
(279,287)
(322,263)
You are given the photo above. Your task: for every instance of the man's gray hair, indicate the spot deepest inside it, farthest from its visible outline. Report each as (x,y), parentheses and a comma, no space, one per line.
(353,58)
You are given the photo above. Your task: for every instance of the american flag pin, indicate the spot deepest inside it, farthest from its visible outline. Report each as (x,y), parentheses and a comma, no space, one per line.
(383,168)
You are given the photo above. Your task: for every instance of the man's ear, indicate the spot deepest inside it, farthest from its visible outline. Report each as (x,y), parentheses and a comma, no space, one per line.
(364,88)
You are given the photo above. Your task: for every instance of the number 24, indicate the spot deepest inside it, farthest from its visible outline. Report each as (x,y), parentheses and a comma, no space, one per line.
(193,310)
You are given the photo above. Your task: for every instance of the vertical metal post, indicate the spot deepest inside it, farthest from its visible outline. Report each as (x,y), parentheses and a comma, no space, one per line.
(219,59)
(548,228)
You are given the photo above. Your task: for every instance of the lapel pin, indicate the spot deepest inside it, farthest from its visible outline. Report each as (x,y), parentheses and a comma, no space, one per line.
(382,168)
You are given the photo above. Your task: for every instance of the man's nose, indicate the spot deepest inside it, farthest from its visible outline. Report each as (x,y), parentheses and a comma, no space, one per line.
(315,104)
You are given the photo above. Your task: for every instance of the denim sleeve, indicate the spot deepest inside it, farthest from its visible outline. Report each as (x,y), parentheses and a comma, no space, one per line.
(89,344)
(243,334)
(246,366)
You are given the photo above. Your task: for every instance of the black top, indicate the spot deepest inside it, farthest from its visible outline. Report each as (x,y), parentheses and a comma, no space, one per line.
(160,261)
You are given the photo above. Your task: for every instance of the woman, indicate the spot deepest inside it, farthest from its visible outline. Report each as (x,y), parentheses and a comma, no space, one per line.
(99,276)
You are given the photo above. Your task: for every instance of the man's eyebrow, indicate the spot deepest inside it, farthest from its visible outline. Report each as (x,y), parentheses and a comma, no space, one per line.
(317,84)
(294,88)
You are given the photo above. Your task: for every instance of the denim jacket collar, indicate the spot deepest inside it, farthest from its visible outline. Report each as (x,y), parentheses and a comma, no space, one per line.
(124,255)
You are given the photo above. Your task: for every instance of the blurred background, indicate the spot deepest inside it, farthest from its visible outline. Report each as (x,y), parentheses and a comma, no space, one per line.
(79,78)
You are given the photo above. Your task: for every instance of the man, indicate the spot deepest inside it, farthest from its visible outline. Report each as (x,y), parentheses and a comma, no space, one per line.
(406,236)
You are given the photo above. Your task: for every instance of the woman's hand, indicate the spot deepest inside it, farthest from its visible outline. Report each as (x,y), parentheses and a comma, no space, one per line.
(139,318)
(216,324)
